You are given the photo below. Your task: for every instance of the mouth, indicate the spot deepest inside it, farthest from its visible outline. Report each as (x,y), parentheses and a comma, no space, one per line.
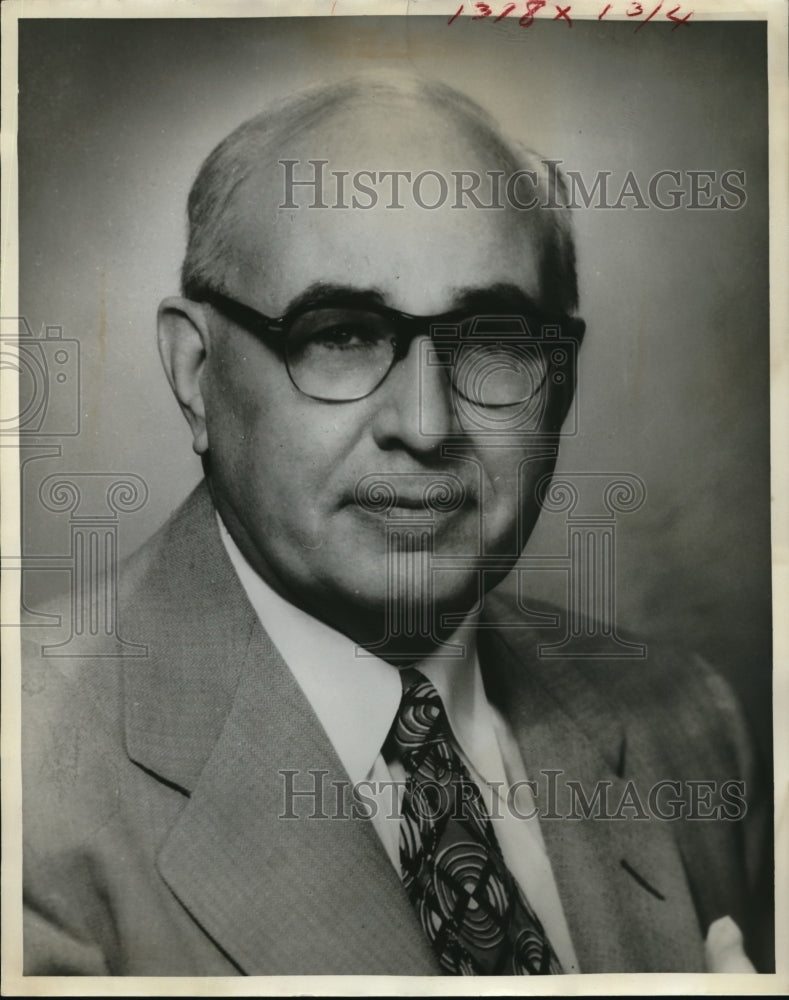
(399,494)
(410,503)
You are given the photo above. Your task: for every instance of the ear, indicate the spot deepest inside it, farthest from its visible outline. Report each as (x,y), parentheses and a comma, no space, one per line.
(183,347)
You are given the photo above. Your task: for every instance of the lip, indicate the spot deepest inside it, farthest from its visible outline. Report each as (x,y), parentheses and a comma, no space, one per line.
(401,494)
(404,513)
(411,503)
(449,504)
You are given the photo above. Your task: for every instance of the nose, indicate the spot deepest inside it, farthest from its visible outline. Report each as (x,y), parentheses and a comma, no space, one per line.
(415,402)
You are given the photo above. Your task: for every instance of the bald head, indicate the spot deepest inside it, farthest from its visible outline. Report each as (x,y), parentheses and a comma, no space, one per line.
(365,125)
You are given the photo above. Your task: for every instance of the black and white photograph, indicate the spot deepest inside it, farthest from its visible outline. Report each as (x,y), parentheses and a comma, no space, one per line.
(388,544)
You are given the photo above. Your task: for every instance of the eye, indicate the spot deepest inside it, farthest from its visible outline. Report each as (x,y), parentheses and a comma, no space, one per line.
(339,331)
(345,337)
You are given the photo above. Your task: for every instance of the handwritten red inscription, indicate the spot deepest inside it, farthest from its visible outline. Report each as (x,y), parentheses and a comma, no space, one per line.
(533,8)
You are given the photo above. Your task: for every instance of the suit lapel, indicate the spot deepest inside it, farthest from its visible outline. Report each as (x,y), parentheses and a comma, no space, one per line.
(621,881)
(215,711)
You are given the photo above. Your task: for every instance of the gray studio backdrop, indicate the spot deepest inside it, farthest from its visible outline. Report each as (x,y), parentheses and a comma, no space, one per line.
(116,115)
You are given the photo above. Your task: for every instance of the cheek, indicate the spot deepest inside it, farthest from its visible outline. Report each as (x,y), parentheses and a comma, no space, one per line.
(232,419)
(534,481)
(248,399)
(239,421)
(511,480)
(268,441)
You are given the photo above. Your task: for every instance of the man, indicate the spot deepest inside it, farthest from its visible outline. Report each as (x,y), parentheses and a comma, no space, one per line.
(377,414)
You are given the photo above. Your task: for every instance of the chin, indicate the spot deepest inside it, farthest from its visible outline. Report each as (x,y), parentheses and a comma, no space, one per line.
(408,595)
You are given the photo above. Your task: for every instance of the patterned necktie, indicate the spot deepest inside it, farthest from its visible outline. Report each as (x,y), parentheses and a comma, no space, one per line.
(470,907)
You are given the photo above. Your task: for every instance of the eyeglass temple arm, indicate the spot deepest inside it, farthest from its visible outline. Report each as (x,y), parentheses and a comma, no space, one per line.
(572,327)
(245,316)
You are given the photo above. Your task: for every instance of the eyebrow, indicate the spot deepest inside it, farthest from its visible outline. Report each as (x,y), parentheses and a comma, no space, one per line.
(500,295)
(322,293)
(484,299)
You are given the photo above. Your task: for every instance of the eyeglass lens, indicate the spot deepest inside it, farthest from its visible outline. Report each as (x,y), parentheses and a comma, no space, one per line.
(344,354)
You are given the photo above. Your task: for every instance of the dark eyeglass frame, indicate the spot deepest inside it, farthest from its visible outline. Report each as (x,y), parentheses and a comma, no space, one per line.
(406,326)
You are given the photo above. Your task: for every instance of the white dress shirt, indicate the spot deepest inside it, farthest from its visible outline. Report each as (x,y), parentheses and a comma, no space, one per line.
(356,695)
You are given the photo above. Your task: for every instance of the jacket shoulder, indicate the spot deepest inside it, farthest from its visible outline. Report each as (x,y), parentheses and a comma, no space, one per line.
(678,701)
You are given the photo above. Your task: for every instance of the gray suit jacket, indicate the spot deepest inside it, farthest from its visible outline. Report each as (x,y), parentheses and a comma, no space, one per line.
(154,843)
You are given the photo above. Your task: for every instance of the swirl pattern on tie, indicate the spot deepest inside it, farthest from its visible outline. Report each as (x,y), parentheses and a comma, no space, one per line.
(470,906)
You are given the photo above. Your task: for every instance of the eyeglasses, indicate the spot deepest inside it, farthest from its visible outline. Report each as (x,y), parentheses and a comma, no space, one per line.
(343,351)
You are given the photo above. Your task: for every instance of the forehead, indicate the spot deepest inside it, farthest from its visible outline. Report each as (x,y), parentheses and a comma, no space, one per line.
(415,255)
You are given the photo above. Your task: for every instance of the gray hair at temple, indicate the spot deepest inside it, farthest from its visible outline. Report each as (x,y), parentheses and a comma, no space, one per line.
(262,138)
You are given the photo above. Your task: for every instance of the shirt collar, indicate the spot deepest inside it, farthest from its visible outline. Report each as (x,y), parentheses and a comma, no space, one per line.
(356,695)
(459,685)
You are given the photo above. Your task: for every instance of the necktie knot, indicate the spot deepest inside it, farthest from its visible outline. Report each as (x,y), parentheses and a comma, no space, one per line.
(421,733)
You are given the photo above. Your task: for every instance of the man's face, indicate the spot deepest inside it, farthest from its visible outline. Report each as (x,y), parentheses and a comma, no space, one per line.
(285,467)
